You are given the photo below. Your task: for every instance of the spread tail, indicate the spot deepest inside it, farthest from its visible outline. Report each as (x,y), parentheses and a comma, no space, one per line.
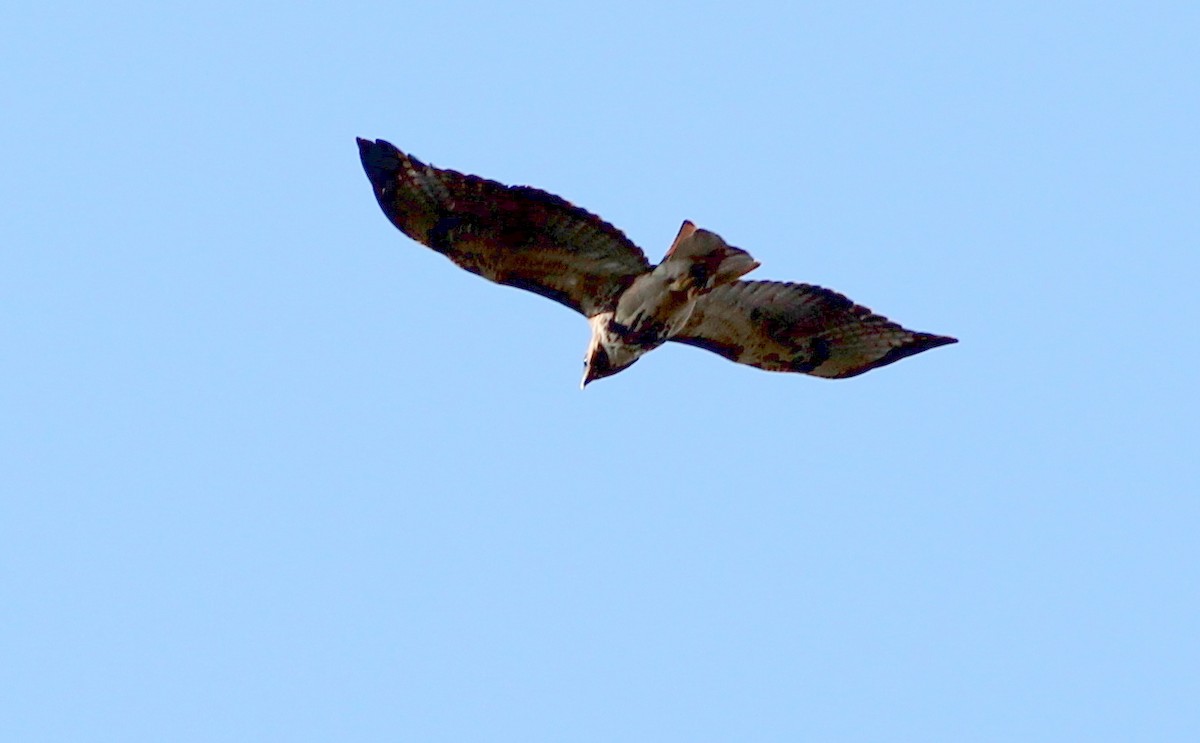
(700,261)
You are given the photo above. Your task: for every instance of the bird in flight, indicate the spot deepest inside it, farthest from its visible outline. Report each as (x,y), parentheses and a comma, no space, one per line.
(530,239)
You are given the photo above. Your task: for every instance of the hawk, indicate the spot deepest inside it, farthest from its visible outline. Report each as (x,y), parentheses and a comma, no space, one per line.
(530,239)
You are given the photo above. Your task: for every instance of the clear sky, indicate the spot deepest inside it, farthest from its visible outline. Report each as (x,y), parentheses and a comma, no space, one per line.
(271,471)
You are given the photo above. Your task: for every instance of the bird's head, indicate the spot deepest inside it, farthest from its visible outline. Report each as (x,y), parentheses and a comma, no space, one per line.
(606,355)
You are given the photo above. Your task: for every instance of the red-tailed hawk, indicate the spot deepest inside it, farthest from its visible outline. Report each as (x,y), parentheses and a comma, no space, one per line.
(530,239)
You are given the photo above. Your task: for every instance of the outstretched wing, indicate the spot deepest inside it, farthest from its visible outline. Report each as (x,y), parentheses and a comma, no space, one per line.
(512,235)
(799,328)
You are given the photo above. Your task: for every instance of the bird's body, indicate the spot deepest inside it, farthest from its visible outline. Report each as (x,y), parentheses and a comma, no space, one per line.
(533,240)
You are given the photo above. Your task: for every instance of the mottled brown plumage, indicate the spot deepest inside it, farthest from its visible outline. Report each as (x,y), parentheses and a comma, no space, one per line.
(530,239)
(512,235)
(799,328)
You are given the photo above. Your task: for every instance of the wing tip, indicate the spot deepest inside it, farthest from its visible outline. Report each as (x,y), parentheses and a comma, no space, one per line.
(929,340)
(380,158)
(919,343)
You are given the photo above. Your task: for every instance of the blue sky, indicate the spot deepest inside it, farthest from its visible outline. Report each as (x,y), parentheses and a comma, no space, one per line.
(271,471)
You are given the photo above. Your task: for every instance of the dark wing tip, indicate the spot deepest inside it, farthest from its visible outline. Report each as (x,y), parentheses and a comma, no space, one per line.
(918,343)
(929,340)
(380,159)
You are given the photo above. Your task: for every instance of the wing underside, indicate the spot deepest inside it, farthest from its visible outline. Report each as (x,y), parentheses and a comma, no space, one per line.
(513,235)
(799,328)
